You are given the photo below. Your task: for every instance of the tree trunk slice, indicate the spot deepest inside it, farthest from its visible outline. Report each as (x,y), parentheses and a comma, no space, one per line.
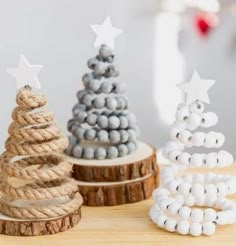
(136,165)
(117,193)
(19,227)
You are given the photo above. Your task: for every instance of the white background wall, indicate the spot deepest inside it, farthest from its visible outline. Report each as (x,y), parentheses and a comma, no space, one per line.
(56,33)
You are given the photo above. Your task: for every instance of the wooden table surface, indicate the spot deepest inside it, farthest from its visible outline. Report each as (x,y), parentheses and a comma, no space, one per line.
(123,225)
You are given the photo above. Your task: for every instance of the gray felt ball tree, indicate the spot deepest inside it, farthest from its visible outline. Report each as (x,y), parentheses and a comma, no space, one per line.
(102,127)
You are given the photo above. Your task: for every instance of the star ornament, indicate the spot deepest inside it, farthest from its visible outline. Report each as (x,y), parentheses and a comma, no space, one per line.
(25,73)
(196,89)
(105,33)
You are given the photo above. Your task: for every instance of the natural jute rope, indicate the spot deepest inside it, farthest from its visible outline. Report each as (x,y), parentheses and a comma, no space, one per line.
(32,154)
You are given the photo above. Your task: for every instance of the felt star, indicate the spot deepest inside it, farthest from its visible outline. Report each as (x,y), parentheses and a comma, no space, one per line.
(105,33)
(25,73)
(196,89)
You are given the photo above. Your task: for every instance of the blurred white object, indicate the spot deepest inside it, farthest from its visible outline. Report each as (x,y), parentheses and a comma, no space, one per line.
(180,5)
(168,65)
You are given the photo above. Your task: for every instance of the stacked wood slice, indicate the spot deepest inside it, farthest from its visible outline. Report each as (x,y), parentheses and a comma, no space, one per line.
(117,181)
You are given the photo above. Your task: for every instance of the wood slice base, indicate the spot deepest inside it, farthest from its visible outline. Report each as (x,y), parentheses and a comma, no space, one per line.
(136,165)
(19,227)
(117,193)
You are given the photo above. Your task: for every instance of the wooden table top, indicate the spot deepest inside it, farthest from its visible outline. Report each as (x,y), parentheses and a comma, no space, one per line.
(123,225)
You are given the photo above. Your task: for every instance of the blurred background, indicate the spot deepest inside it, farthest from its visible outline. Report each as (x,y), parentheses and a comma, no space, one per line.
(163,42)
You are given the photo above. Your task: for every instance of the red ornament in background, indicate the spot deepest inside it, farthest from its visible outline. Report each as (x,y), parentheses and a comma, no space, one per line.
(205,22)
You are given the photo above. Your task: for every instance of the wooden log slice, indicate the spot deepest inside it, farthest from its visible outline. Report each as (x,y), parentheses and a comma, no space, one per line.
(136,165)
(117,193)
(19,227)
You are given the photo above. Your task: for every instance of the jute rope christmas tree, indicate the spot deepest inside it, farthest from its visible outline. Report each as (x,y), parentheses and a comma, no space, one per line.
(102,127)
(174,200)
(111,166)
(35,178)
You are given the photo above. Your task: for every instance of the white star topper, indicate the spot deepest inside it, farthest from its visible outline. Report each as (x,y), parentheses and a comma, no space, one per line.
(196,89)
(105,33)
(25,73)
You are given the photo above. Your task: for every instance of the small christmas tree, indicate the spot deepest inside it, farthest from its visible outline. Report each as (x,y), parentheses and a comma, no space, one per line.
(35,178)
(111,166)
(102,127)
(173,201)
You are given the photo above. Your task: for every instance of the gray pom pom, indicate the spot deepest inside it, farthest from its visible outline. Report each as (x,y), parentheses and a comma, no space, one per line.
(92,62)
(106,87)
(92,119)
(105,51)
(100,68)
(131,119)
(112,152)
(122,149)
(69,149)
(102,121)
(124,136)
(70,124)
(111,71)
(111,103)
(77,151)
(74,128)
(87,100)
(86,78)
(122,104)
(114,137)
(103,136)
(81,116)
(99,102)
(100,153)
(94,85)
(132,135)
(118,88)
(72,140)
(123,122)
(89,153)
(79,133)
(131,147)
(90,134)
(113,122)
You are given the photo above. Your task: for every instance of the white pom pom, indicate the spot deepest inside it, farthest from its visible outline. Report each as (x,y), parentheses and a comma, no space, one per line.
(189,200)
(182,113)
(208,228)
(184,188)
(161,220)
(196,215)
(173,208)
(184,137)
(170,146)
(170,224)
(211,160)
(184,158)
(210,140)
(183,227)
(198,139)
(173,155)
(197,190)
(184,212)
(209,214)
(196,160)
(195,229)
(193,121)
(220,139)
(197,107)
(222,189)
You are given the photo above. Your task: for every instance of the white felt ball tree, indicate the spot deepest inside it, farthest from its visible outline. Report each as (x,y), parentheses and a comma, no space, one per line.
(194,203)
